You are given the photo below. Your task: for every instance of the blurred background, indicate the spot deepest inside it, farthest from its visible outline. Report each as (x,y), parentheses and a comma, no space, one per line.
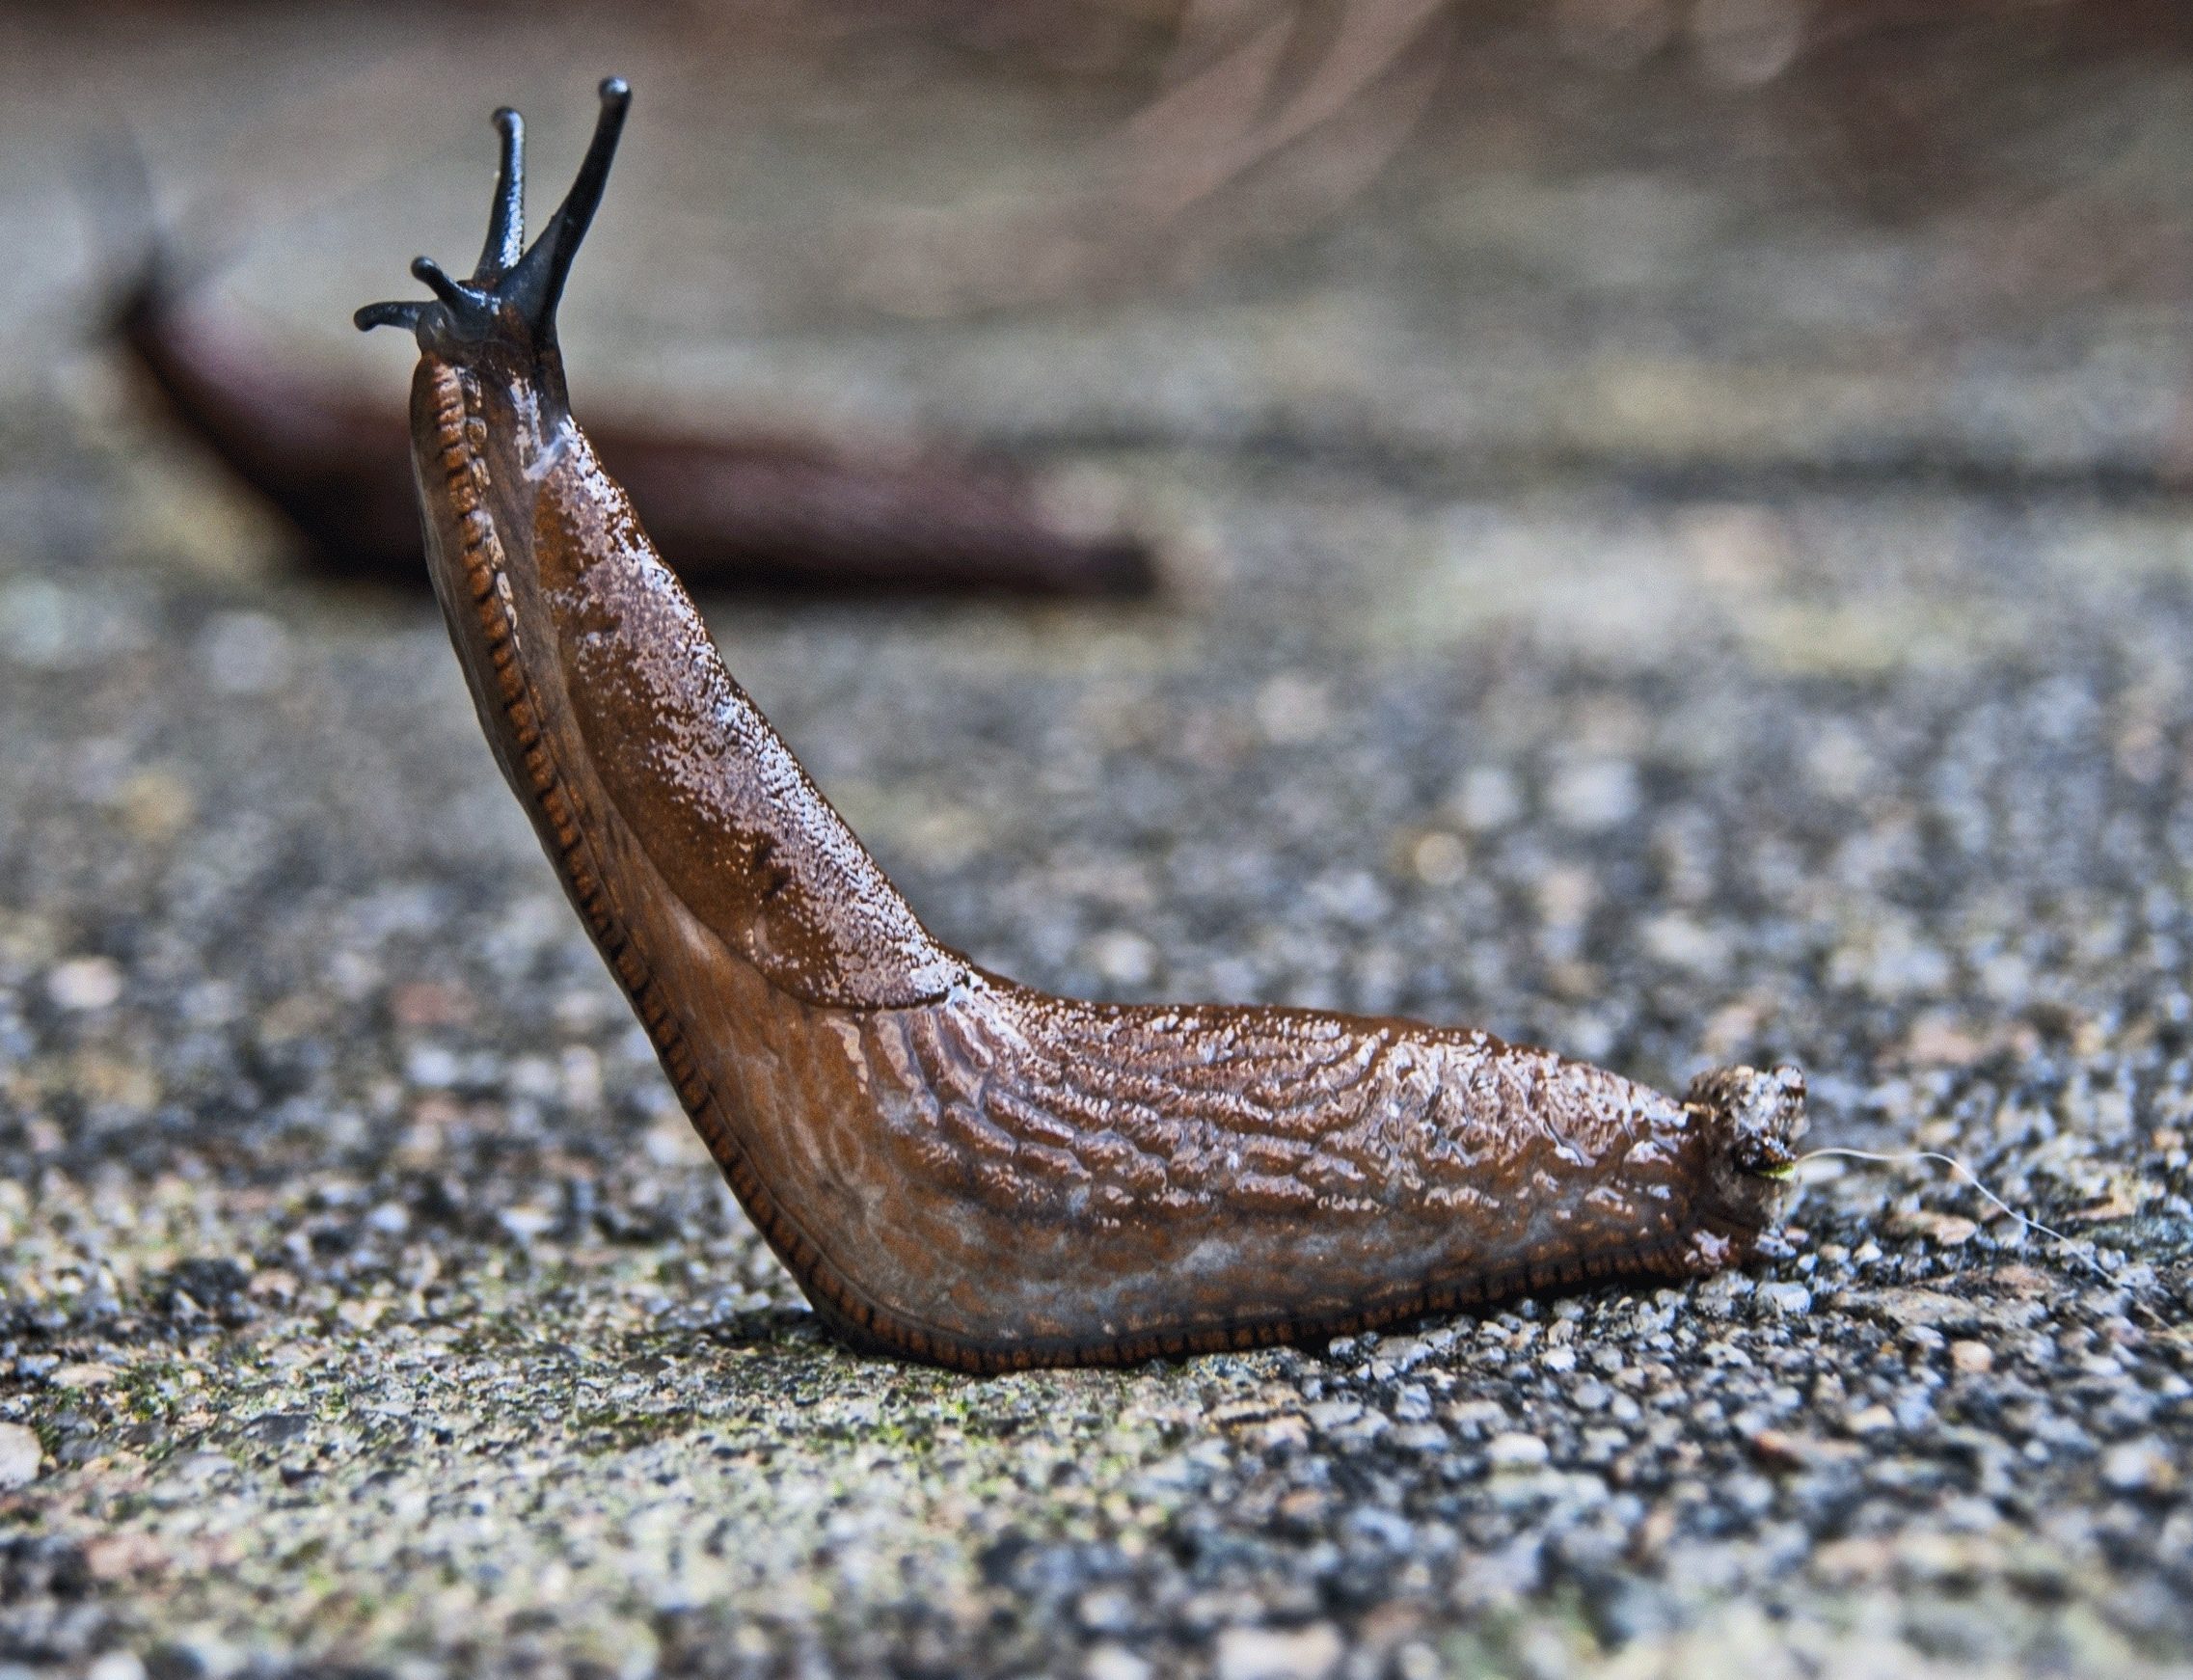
(1692,240)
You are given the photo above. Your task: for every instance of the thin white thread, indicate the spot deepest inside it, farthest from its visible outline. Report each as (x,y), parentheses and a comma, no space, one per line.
(2082,1252)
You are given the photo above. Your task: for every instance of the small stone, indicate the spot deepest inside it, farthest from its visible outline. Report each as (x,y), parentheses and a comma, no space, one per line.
(1288,1434)
(2144,1466)
(1971,1358)
(390,1219)
(1780,1450)
(20,1455)
(1124,957)
(1114,1663)
(119,1556)
(1719,1293)
(1870,1420)
(244,653)
(1333,1414)
(1310,1653)
(1790,1299)
(116,1665)
(1596,795)
(85,983)
(525,1223)
(1440,859)
(1106,1609)
(1907,1307)
(155,805)
(430,1003)
(1514,1451)
(1943,1230)
(1682,944)
(1293,710)
(430,1067)
(1487,798)
(1413,1404)
(1363,1432)
(82,1376)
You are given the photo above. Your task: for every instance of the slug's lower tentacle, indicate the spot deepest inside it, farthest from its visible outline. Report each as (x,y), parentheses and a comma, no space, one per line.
(955,1167)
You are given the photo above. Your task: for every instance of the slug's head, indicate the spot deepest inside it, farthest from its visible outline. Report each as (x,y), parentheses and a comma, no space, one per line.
(508,307)
(1751,1121)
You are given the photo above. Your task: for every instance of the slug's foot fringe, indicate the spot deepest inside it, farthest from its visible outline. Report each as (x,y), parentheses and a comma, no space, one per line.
(862,1329)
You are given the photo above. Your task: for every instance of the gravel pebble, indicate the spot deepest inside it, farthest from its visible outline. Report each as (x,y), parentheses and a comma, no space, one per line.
(1310,1653)
(2144,1466)
(1511,1450)
(85,983)
(20,1455)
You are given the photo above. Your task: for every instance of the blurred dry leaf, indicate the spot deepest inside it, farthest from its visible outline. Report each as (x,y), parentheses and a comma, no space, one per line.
(1325,96)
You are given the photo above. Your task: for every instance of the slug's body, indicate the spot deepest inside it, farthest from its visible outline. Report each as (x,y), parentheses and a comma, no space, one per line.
(956,1167)
(737,509)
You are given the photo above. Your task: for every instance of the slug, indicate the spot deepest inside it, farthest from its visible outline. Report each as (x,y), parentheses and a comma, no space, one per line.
(957,1168)
(736,508)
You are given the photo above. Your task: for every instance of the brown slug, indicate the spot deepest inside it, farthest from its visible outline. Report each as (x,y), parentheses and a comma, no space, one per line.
(736,509)
(955,1167)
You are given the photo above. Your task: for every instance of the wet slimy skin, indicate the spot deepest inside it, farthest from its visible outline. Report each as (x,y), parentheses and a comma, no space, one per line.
(958,1167)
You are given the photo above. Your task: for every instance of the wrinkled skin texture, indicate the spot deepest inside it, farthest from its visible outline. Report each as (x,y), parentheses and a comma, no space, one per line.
(956,1167)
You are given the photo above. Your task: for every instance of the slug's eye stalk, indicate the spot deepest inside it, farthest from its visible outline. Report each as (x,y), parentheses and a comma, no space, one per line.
(506,222)
(511,297)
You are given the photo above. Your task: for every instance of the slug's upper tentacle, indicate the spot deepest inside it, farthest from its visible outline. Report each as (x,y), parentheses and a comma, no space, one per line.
(506,221)
(535,285)
(511,299)
(956,1167)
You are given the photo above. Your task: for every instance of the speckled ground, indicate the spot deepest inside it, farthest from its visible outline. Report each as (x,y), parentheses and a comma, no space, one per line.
(370,1306)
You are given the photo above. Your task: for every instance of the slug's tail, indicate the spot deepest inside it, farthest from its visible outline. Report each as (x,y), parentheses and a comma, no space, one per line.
(511,296)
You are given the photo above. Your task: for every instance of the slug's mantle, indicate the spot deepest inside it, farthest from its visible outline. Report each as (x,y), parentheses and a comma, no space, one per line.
(956,1167)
